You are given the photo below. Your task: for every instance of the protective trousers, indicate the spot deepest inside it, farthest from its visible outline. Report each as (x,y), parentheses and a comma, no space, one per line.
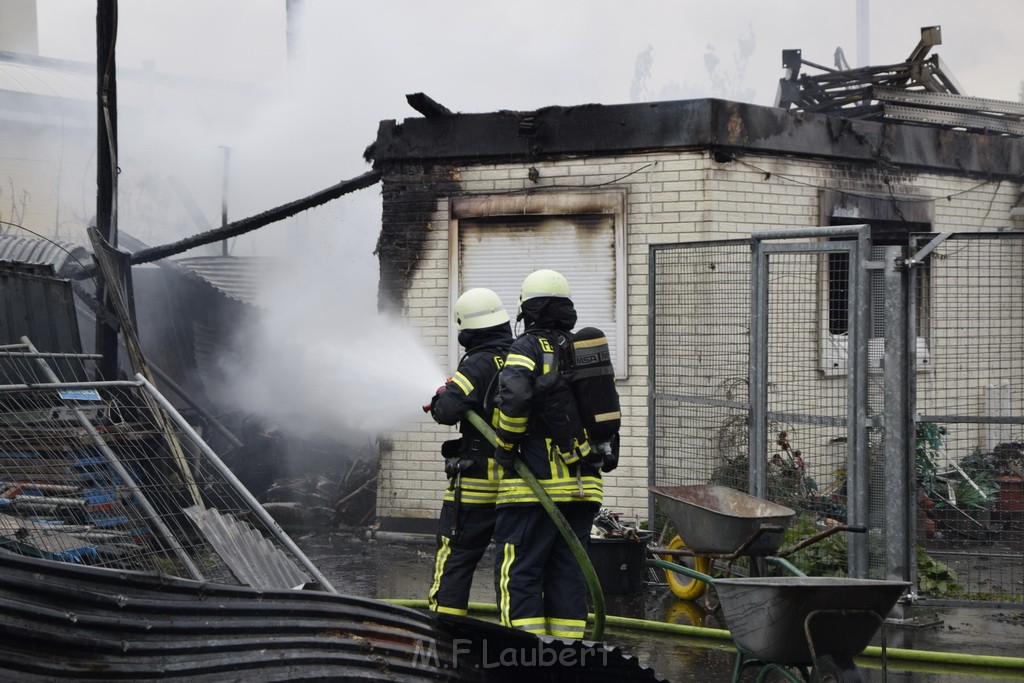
(458,555)
(540,586)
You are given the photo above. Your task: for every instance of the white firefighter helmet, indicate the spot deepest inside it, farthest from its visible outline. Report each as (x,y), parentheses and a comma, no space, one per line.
(544,282)
(479,308)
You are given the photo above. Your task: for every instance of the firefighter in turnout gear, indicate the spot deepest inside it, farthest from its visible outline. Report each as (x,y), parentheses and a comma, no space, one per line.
(467,514)
(540,586)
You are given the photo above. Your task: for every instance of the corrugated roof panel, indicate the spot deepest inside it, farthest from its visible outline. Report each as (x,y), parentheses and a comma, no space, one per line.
(240,278)
(37,79)
(56,253)
(253,559)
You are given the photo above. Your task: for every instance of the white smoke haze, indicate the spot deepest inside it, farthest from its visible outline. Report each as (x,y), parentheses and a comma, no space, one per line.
(321,360)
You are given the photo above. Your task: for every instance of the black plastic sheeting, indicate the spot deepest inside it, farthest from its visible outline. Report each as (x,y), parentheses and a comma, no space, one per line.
(59,621)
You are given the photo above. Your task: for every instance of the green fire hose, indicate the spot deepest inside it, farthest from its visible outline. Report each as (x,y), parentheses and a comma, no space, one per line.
(596,594)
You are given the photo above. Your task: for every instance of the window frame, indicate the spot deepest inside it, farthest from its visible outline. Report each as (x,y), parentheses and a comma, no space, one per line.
(893,221)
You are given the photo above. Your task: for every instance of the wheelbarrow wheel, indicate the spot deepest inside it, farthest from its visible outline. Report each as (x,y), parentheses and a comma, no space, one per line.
(838,669)
(682,586)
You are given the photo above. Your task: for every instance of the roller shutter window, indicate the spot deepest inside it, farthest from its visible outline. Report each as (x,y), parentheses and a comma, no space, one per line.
(498,252)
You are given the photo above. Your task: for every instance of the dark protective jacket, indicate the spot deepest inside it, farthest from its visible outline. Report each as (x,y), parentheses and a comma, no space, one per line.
(521,423)
(467,390)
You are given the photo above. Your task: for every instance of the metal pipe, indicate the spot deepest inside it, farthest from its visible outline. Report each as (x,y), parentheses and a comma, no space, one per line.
(397,537)
(858,333)
(226,472)
(69,385)
(757,474)
(827,231)
(652,374)
(45,354)
(897,444)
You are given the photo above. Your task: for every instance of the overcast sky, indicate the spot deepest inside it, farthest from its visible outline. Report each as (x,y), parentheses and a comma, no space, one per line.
(358,60)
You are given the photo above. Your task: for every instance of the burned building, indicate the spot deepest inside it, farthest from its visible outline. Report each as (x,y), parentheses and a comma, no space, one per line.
(482,199)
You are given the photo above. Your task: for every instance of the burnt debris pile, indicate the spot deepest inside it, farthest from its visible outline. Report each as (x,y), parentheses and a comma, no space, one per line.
(918,91)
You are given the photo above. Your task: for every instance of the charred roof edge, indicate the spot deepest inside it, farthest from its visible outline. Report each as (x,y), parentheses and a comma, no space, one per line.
(509,136)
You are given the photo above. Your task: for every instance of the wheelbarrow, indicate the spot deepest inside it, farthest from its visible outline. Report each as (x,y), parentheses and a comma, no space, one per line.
(717,522)
(816,625)
(812,624)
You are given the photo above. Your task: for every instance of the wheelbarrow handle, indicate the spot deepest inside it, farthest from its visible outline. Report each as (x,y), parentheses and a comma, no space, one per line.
(658,551)
(858,529)
(763,529)
(680,569)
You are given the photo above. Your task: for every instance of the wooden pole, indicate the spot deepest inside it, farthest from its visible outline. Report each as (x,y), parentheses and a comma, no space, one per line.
(106,167)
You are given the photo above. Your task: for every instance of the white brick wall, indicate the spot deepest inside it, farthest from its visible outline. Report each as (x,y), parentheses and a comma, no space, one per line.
(671,197)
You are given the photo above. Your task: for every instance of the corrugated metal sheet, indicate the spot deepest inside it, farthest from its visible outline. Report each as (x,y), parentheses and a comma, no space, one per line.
(253,559)
(240,278)
(66,622)
(46,79)
(63,256)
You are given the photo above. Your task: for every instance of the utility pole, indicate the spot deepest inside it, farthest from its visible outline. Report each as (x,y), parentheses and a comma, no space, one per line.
(106,166)
(863,34)
(224,251)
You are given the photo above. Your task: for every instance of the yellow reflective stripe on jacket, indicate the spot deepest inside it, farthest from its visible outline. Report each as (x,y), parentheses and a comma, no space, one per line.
(566,490)
(517,359)
(494,470)
(462,382)
(568,458)
(558,459)
(557,465)
(566,628)
(476,491)
(605,417)
(512,425)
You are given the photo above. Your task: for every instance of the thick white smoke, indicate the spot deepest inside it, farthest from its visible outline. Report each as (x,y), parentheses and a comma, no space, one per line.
(321,359)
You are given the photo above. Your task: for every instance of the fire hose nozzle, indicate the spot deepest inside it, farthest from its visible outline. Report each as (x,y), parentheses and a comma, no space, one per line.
(440,389)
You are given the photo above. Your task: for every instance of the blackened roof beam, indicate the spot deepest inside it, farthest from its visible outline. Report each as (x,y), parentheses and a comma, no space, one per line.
(930,37)
(427,105)
(244,225)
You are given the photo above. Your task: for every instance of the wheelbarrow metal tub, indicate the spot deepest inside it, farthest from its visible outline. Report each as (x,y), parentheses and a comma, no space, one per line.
(766,615)
(717,520)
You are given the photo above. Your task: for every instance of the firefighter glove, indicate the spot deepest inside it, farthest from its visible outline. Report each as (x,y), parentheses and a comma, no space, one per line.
(505,458)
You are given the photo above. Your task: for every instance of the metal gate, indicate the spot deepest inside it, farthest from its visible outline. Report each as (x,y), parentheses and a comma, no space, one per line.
(803,352)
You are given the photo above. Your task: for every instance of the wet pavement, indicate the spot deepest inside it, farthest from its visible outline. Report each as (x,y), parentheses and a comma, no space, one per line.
(402,568)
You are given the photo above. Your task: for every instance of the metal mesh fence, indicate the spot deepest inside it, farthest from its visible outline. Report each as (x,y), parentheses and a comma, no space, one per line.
(700,299)
(968,311)
(96,473)
(807,402)
(970,398)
